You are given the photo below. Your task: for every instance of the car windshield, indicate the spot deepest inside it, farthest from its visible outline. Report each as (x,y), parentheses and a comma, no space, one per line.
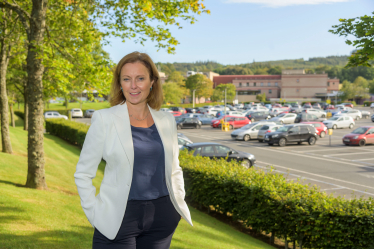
(247,126)
(344,111)
(281,115)
(334,118)
(360,130)
(284,128)
(179,119)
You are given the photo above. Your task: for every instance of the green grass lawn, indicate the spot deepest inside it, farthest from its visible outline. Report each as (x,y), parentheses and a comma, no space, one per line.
(54,218)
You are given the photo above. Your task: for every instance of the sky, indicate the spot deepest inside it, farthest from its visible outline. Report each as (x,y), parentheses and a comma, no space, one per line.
(243,31)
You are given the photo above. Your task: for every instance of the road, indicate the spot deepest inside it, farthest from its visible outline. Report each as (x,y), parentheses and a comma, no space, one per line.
(346,171)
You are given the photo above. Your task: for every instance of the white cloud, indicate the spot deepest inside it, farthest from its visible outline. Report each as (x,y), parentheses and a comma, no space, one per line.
(282,3)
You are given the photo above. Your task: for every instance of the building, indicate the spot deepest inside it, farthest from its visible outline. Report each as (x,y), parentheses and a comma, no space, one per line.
(292,85)
(209,75)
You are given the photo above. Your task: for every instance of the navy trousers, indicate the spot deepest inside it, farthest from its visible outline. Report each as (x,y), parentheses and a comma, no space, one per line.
(145,225)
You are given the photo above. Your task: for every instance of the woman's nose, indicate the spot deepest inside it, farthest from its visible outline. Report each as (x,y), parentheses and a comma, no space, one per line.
(133,84)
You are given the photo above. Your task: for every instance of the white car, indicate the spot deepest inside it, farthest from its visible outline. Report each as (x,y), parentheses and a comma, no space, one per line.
(76,113)
(285,118)
(235,113)
(267,128)
(355,114)
(52,114)
(211,111)
(372,105)
(249,131)
(342,121)
(165,110)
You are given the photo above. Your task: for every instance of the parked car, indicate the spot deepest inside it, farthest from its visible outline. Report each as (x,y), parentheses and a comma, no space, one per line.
(329,107)
(236,122)
(372,118)
(165,110)
(191,110)
(204,118)
(235,113)
(249,131)
(372,105)
(188,123)
(360,136)
(316,106)
(200,110)
(321,129)
(348,104)
(268,106)
(267,128)
(355,114)
(176,114)
(319,113)
(212,112)
(183,141)
(178,109)
(259,115)
(339,122)
(277,106)
(296,133)
(215,150)
(54,114)
(88,113)
(306,117)
(365,114)
(76,113)
(307,106)
(285,118)
(215,123)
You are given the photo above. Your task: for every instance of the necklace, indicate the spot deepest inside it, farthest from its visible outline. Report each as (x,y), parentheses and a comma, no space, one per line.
(140,119)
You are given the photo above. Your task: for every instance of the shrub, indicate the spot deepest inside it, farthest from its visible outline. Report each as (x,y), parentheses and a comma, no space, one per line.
(368,103)
(265,201)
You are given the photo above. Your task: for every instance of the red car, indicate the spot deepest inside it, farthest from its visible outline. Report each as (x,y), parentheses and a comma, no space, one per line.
(320,128)
(360,136)
(329,107)
(277,106)
(176,114)
(348,105)
(234,121)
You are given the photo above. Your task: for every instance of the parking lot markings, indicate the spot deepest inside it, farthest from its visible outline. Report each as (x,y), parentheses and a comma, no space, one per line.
(349,154)
(366,159)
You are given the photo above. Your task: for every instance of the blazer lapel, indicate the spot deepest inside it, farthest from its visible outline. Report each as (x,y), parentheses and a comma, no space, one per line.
(122,123)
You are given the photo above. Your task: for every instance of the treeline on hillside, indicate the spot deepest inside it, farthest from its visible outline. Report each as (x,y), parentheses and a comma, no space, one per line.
(332,65)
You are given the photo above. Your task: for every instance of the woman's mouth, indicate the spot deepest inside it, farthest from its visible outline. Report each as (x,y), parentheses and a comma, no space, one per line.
(134,94)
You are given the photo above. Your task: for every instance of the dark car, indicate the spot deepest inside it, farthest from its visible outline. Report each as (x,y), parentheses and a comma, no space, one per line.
(191,110)
(215,150)
(259,115)
(178,109)
(296,133)
(188,123)
(305,117)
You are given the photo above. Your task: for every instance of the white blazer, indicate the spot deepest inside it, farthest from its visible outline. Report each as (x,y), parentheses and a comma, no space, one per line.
(109,137)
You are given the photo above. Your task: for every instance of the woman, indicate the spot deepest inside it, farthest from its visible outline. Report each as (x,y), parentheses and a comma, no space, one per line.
(141,199)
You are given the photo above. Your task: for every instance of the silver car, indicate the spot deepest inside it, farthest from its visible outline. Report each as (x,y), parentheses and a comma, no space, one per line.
(285,118)
(339,122)
(319,113)
(355,114)
(267,129)
(250,131)
(52,114)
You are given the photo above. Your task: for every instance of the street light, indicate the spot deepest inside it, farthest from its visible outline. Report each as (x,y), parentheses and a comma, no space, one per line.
(193,100)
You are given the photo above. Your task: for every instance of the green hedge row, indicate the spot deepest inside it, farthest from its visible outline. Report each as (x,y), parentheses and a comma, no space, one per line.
(266,202)
(368,103)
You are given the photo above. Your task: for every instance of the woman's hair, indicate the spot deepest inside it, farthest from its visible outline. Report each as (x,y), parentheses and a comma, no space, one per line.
(155,97)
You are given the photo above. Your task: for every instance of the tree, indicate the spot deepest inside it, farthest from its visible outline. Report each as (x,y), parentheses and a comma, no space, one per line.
(203,85)
(173,93)
(362,29)
(219,92)
(124,19)
(261,97)
(357,90)
(371,86)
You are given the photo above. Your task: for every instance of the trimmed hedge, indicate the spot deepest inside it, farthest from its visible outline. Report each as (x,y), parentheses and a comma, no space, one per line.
(264,201)
(368,103)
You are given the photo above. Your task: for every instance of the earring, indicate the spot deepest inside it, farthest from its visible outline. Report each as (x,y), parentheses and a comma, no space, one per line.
(121,89)
(151,88)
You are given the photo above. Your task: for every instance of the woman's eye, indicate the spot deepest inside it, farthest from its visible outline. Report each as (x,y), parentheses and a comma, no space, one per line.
(125,79)
(141,78)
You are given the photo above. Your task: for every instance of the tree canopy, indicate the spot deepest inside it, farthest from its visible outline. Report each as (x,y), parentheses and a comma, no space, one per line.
(219,92)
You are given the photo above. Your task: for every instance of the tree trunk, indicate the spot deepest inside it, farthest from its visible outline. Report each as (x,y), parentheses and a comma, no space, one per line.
(5,136)
(35,68)
(12,115)
(25,108)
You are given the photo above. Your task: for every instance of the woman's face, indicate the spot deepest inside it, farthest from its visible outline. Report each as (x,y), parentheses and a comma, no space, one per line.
(135,82)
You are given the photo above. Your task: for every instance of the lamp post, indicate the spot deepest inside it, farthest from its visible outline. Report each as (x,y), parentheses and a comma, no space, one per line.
(225,105)
(193,100)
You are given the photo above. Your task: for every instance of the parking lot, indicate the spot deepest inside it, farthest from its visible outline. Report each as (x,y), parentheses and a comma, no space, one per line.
(338,169)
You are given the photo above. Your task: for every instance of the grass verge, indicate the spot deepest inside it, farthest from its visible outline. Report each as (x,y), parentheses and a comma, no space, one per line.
(53,218)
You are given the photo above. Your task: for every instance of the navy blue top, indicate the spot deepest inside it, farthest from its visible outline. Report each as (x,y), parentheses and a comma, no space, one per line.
(148,179)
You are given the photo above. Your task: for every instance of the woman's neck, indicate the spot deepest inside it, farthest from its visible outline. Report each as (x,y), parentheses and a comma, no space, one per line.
(139,110)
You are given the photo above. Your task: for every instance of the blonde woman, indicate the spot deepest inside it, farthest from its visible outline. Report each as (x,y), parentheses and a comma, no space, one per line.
(141,199)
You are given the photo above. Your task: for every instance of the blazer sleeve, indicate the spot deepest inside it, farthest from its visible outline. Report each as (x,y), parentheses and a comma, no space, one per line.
(177,172)
(89,160)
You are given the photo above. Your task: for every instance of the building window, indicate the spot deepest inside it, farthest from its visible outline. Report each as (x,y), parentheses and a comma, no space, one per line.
(297,80)
(333,83)
(269,84)
(240,84)
(276,83)
(328,83)
(254,84)
(248,92)
(262,83)
(269,90)
(297,90)
(247,84)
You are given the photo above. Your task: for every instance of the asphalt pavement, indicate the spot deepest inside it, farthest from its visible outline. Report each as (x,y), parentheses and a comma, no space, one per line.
(346,171)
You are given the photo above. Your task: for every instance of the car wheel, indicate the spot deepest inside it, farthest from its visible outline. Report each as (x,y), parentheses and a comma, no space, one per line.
(299,142)
(282,142)
(271,144)
(347,144)
(362,142)
(179,127)
(246,137)
(357,118)
(334,127)
(219,126)
(322,134)
(350,126)
(312,141)
(323,116)
(231,127)
(260,140)
(246,163)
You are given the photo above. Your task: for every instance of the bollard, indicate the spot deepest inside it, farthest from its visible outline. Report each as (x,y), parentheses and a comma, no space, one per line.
(330,134)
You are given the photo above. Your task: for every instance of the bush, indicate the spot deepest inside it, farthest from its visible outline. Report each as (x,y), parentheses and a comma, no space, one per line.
(368,103)
(266,202)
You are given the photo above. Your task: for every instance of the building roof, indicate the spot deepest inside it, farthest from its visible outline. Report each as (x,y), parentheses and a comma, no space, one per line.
(229,78)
